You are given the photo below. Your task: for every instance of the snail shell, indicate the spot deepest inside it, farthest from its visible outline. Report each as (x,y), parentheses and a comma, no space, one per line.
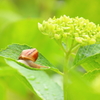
(28,57)
(29,54)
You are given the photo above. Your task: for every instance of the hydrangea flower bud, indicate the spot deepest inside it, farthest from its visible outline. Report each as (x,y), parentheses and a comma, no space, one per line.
(92,41)
(81,30)
(57,36)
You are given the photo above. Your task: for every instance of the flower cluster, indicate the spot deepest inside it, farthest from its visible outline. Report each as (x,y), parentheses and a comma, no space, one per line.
(81,30)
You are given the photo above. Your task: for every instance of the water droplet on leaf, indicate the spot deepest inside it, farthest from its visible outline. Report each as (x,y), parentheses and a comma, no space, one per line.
(31,77)
(54,94)
(46,87)
(37,82)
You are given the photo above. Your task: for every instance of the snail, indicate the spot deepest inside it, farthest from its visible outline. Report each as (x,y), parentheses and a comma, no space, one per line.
(28,57)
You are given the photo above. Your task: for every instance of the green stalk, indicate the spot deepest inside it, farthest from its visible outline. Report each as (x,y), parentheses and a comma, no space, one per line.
(65,76)
(67,66)
(66,70)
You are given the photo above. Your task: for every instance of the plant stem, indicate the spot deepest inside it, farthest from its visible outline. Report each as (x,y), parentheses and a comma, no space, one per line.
(66,70)
(67,66)
(65,77)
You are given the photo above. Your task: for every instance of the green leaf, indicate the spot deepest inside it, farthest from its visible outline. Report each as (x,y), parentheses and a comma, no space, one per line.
(91,75)
(10,78)
(79,88)
(40,82)
(87,57)
(13,52)
(93,78)
(92,63)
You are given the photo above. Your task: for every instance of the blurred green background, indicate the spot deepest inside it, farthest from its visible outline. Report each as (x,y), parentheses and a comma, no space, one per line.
(18,24)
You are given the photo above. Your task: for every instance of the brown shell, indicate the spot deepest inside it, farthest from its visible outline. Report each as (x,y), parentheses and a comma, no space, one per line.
(29,54)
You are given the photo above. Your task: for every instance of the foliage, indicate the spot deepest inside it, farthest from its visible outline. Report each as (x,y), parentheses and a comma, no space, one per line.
(18,26)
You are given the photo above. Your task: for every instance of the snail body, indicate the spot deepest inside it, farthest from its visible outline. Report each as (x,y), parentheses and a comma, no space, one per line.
(28,57)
